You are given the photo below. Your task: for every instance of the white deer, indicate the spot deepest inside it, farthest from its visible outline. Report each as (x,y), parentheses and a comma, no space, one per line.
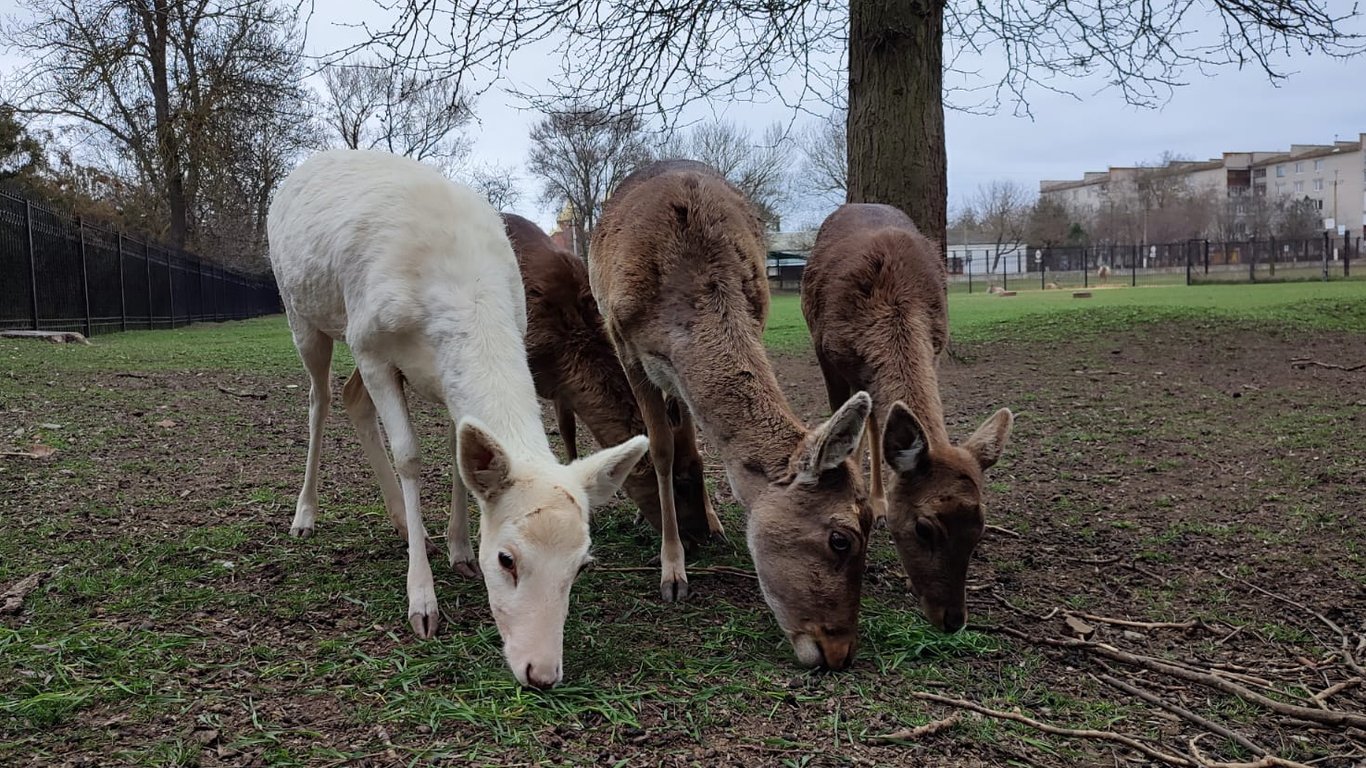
(416,275)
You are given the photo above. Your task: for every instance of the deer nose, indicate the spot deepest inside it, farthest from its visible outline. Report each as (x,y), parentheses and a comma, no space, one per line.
(539,679)
(838,653)
(954,619)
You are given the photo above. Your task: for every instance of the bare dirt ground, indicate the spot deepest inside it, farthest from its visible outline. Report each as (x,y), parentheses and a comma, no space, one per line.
(1180,494)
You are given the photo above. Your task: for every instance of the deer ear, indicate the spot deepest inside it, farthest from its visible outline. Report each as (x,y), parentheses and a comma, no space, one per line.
(836,440)
(603,472)
(903,441)
(989,441)
(484,465)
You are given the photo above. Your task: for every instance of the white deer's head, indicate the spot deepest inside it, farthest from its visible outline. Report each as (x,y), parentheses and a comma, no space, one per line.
(533,539)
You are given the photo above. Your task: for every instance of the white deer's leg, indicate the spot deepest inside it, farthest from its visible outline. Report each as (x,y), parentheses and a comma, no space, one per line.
(361,409)
(315,349)
(458,547)
(673,581)
(389,402)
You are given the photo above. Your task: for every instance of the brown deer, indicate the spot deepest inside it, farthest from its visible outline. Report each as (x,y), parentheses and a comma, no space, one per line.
(874,296)
(575,367)
(677,268)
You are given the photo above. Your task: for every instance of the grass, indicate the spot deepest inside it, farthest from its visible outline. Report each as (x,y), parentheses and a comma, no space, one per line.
(181,608)
(1055,315)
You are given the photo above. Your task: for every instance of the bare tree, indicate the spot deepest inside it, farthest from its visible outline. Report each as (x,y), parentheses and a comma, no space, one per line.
(825,157)
(154,81)
(580,154)
(665,53)
(373,106)
(1002,209)
(758,168)
(498,183)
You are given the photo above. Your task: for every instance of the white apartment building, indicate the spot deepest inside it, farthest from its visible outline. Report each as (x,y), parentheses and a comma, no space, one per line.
(1331,176)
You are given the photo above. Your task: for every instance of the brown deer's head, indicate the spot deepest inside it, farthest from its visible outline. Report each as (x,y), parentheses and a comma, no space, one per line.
(808,534)
(934,507)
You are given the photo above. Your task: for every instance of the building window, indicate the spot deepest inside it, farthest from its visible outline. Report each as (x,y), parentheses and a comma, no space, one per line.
(1280,171)
(1299,186)
(1299,167)
(1318,185)
(1318,165)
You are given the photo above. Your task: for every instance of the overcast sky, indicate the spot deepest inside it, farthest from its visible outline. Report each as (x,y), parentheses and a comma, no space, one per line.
(1229,110)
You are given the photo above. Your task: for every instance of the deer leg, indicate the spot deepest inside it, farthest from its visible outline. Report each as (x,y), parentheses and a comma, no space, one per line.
(361,410)
(673,582)
(382,382)
(564,419)
(315,349)
(458,548)
(686,436)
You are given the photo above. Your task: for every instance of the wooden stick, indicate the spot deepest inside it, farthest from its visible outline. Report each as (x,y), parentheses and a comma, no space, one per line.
(920,731)
(1075,733)
(1004,531)
(1192,624)
(1323,696)
(712,569)
(1345,645)
(1265,761)
(1302,363)
(1186,714)
(242,393)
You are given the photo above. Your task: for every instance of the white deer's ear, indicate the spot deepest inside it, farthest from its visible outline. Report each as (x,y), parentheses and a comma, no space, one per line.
(603,473)
(836,440)
(989,441)
(903,441)
(484,465)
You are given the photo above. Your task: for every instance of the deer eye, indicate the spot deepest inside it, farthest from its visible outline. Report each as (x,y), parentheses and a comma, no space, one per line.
(924,531)
(509,565)
(839,541)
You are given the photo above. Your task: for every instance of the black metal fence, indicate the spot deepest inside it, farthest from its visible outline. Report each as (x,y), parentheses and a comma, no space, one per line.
(60,274)
(1188,262)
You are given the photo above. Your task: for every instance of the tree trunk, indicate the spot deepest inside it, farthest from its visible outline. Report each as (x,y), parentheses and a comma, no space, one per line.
(896,110)
(156,24)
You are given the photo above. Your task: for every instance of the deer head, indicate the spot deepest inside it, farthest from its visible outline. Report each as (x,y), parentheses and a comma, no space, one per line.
(808,534)
(533,539)
(934,507)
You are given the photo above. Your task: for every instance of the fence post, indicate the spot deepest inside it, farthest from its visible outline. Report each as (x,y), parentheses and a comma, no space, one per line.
(85,275)
(32,262)
(1273,256)
(1207,257)
(1252,259)
(1085,267)
(123,294)
(1327,245)
(1347,256)
(1005,279)
(969,259)
(1133,268)
(147,262)
(170,288)
(1189,243)
(1043,271)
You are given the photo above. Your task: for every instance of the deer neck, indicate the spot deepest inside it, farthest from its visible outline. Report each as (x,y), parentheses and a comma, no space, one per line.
(599,394)
(908,372)
(741,410)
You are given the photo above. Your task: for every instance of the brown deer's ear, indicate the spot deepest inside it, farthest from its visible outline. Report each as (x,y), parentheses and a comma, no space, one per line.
(989,441)
(903,441)
(833,442)
(484,465)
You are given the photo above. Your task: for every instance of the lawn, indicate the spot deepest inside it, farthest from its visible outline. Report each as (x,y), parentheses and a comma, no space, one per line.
(1147,481)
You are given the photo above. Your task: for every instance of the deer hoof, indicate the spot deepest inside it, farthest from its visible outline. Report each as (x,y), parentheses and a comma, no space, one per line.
(301,531)
(674,590)
(468,569)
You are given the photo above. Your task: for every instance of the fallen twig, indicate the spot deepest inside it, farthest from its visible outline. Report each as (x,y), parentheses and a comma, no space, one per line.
(1192,624)
(1076,733)
(1004,531)
(920,731)
(1186,714)
(13,598)
(1095,560)
(1265,761)
(242,393)
(712,569)
(1304,362)
(1324,695)
(1345,644)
